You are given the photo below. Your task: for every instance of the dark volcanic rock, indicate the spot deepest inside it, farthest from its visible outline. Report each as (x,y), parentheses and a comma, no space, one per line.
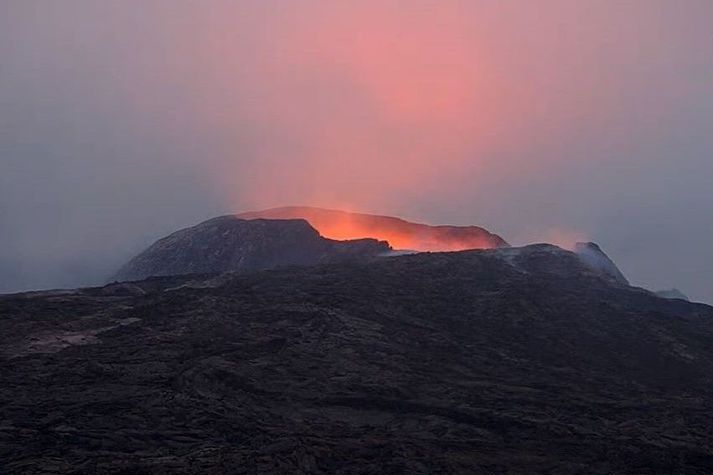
(399,233)
(230,244)
(513,361)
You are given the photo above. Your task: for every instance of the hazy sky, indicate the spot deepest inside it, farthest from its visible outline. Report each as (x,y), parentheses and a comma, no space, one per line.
(122,120)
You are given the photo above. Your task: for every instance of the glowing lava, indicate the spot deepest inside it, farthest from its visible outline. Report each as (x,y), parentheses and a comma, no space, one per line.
(400,234)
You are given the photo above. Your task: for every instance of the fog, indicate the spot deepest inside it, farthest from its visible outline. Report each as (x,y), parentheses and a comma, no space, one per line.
(551,120)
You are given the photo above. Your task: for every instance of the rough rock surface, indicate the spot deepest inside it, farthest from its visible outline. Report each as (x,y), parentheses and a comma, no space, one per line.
(506,361)
(399,233)
(230,244)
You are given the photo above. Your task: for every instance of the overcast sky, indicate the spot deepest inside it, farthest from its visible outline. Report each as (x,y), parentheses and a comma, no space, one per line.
(121,121)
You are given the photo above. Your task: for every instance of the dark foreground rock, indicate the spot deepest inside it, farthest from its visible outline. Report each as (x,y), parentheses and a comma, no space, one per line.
(504,361)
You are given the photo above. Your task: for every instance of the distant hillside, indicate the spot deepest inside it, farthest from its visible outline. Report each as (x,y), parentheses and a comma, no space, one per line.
(228,243)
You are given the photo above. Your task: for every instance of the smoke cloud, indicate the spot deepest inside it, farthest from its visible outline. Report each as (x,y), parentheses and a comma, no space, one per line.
(122,121)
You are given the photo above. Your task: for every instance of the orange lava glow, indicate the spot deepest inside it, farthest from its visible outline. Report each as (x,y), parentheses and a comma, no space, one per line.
(398,233)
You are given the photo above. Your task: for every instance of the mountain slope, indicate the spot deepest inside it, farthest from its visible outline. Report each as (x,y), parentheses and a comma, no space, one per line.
(512,361)
(231,244)
(399,233)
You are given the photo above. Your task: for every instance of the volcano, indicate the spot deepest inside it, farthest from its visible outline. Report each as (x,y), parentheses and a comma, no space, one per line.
(277,238)
(399,233)
(231,244)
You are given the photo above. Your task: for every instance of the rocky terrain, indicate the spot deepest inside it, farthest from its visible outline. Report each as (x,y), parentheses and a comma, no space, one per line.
(228,243)
(400,234)
(514,361)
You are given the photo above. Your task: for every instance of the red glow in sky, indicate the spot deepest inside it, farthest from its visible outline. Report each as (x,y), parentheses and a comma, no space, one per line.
(366,101)
(519,116)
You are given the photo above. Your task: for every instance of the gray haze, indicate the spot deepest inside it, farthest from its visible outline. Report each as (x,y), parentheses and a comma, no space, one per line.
(121,121)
